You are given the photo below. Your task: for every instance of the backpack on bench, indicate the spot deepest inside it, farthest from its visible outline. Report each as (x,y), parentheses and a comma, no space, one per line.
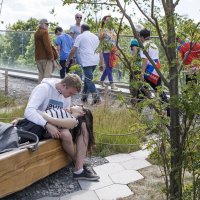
(12,138)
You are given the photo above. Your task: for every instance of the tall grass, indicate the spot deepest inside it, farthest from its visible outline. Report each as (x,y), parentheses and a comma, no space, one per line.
(117,130)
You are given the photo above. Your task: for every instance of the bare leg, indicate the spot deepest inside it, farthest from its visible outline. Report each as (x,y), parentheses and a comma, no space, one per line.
(68,144)
(81,147)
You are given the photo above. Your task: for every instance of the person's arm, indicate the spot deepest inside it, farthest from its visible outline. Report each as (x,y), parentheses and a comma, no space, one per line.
(101,61)
(47,44)
(71,54)
(36,100)
(144,64)
(68,123)
(58,43)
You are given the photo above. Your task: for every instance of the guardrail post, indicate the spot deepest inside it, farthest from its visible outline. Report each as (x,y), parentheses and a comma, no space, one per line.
(6,82)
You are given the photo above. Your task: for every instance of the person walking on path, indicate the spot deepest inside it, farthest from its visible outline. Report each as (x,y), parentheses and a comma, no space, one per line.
(74,31)
(43,51)
(87,43)
(148,73)
(54,93)
(64,43)
(107,38)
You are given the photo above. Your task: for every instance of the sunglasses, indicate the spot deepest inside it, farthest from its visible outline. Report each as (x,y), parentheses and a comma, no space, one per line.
(47,24)
(79,17)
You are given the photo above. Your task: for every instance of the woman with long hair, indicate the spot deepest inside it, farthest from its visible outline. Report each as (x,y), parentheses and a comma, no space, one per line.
(107,38)
(61,118)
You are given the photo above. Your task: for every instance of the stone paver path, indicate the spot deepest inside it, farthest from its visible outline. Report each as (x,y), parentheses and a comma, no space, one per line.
(114,177)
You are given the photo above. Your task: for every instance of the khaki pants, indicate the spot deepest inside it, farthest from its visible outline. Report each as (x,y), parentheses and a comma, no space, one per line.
(45,69)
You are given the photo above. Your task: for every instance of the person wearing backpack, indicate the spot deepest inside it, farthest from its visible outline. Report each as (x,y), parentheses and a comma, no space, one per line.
(55,93)
(64,43)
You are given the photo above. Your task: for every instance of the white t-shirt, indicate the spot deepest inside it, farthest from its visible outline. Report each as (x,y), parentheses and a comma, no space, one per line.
(87,44)
(152,50)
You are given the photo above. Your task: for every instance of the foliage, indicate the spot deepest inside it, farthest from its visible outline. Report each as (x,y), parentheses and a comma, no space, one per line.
(175,139)
(121,134)
(6,101)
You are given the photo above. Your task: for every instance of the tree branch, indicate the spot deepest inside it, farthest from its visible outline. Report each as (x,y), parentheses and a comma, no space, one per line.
(89,2)
(125,60)
(159,31)
(176,3)
(148,18)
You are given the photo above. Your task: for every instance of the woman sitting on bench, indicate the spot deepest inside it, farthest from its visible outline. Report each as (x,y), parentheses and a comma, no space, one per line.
(61,118)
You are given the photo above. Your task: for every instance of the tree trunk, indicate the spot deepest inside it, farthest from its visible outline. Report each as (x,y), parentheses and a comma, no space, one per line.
(176,150)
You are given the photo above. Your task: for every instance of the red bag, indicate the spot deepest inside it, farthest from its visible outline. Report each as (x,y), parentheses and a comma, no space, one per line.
(113,58)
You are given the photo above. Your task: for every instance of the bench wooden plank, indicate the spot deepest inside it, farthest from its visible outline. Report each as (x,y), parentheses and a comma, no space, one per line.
(21,168)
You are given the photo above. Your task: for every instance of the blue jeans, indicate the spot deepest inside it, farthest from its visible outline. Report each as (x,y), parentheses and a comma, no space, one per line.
(107,70)
(64,70)
(89,85)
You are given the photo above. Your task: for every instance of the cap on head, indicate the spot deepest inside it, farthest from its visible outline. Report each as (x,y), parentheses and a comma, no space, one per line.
(138,27)
(134,43)
(43,21)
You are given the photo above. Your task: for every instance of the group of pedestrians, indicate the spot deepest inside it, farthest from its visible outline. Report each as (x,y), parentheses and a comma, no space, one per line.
(78,46)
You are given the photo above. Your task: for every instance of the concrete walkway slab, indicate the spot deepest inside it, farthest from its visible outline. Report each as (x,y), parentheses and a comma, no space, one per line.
(81,195)
(119,158)
(93,185)
(125,177)
(113,192)
(135,164)
(108,168)
(141,154)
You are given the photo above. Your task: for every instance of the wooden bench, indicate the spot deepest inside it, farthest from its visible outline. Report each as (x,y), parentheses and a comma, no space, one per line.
(21,168)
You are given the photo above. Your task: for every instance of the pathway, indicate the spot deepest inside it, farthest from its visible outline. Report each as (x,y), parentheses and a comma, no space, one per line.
(121,170)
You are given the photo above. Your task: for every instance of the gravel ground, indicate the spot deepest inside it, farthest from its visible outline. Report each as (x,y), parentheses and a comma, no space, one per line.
(59,183)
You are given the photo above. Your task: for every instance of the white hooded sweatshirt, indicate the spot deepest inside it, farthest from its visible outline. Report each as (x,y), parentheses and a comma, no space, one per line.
(45,96)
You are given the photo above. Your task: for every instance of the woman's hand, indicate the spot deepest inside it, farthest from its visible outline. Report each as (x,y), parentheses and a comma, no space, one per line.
(16,121)
(53,131)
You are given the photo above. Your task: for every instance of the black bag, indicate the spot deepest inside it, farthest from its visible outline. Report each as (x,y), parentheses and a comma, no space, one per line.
(11,137)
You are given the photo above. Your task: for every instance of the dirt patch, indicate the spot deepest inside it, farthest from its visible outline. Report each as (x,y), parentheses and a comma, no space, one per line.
(149,188)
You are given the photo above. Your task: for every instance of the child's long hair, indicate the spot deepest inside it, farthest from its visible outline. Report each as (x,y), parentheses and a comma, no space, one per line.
(77,131)
(103,20)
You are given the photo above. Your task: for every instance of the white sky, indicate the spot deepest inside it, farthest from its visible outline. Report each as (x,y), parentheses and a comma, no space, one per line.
(14,10)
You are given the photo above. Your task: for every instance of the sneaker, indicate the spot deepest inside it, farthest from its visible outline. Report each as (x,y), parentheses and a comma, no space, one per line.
(88,169)
(103,84)
(96,102)
(86,175)
(84,100)
(113,87)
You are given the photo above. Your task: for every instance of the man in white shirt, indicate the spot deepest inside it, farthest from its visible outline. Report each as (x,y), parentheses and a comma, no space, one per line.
(87,44)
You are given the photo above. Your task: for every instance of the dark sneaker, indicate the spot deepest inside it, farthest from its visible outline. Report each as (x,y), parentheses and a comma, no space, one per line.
(86,175)
(96,102)
(84,100)
(88,169)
